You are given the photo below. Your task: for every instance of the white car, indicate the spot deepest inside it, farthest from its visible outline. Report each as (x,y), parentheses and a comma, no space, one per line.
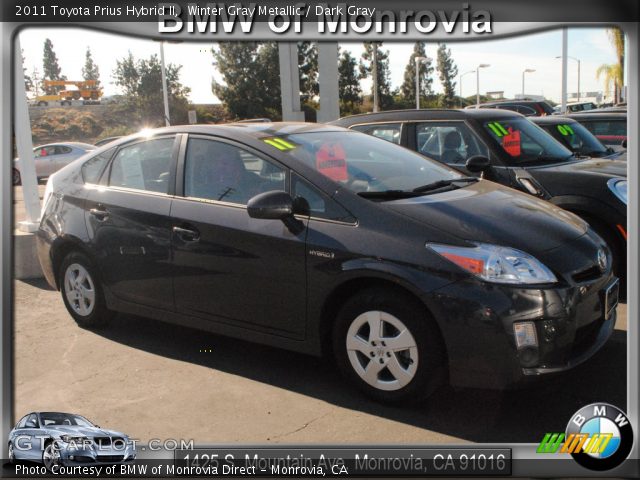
(52,157)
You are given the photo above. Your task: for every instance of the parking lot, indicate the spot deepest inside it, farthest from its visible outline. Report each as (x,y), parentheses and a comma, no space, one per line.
(153,380)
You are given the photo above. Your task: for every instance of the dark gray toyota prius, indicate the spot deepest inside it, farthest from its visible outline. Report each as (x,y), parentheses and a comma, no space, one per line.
(324,240)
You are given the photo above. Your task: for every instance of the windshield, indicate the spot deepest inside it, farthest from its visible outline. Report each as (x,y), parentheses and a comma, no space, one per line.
(578,139)
(363,163)
(524,142)
(55,418)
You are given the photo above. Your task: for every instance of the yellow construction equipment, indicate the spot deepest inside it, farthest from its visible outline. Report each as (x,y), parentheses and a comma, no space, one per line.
(87,90)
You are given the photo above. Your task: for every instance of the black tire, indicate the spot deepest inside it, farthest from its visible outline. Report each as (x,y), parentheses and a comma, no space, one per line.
(429,352)
(15,177)
(95,316)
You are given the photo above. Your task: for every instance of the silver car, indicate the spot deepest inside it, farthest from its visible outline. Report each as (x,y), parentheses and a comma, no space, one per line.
(55,438)
(52,157)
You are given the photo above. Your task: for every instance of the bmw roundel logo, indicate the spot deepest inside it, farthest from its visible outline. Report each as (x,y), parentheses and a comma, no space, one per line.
(605,436)
(602,259)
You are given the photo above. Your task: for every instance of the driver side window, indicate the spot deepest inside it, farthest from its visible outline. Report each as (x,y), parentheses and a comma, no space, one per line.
(448,142)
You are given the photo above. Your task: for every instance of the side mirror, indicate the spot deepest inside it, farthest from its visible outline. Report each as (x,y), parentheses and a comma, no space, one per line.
(273,205)
(477,164)
(624,143)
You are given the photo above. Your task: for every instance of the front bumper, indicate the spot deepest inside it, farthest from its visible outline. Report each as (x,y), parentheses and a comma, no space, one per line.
(572,323)
(95,455)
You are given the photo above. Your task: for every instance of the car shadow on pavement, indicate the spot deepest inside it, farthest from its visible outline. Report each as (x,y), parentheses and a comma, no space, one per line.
(471,414)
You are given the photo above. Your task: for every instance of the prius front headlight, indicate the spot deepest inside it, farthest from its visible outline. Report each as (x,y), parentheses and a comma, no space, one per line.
(496,264)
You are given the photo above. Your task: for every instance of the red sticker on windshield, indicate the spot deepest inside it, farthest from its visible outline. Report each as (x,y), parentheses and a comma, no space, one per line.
(511,143)
(330,161)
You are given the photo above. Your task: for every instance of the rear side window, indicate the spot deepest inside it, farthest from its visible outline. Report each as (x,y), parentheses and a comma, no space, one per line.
(61,150)
(143,166)
(92,168)
(389,132)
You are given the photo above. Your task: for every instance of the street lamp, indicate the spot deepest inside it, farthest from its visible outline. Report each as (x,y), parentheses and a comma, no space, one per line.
(418,61)
(482,65)
(577,60)
(528,70)
(460,82)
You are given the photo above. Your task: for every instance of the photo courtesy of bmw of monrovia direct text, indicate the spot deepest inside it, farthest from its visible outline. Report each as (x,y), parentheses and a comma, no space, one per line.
(319,239)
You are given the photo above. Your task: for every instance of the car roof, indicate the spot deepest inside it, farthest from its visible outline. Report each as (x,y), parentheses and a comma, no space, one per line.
(426,114)
(552,120)
(67,144)
(590,115)
(252,130)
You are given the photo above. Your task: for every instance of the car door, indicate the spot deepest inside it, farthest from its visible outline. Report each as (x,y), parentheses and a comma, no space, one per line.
(128,221)
(227,266)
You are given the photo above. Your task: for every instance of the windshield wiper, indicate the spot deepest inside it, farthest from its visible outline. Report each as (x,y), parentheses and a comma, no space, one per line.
(443,183)
(389,194)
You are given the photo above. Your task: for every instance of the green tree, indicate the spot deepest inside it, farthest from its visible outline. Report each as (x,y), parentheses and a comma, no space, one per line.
(308,67)
(141,82)
(385,96)
(90,70)
(268,63)
(408,87)
(51,68)
(447,71)
(350,92)
(238,65)
(28,81)
(126,75)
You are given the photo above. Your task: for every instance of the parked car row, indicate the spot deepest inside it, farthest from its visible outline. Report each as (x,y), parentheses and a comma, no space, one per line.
(464,257)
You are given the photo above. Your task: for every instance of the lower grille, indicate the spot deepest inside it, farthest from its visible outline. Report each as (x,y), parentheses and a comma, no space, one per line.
(110,458)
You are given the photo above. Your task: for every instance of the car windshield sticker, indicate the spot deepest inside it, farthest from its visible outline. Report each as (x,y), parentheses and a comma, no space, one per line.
(511,143)
(497,129)
(565,130)
(279,143)
(330,161)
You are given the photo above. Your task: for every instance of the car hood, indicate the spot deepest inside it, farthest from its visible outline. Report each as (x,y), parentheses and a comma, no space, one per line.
(599,166)
(491,213)
(85,431)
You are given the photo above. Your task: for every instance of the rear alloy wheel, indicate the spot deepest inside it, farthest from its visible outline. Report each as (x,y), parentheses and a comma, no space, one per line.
(15,176)
(389,347)
(51,456)
(82,292)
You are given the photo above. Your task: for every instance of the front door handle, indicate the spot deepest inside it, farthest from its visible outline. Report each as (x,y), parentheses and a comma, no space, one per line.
(99,213)
(186,234)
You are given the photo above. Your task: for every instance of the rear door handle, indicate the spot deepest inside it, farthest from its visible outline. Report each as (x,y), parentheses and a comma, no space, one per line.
(186,234)
(99,213)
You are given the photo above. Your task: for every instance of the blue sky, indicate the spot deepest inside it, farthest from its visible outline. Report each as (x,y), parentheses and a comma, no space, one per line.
(507,57)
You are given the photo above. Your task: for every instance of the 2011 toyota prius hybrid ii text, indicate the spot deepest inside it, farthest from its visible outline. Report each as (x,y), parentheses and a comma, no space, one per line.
(324,240)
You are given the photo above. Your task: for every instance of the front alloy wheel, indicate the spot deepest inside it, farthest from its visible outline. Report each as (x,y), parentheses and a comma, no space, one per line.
(382,350)
(51,456)
(15,176)
(389,346)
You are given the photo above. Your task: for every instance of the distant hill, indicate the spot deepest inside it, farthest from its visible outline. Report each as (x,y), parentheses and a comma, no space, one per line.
(93,122)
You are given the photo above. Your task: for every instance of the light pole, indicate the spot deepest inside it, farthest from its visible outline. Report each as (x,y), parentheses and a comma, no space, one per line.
(482,65)
(460,82)
(577,60)
(527,70)
(374,72)
(165,94)
(418,61)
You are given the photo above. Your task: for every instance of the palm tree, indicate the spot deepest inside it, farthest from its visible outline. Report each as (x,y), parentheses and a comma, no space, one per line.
(612,74)
(617,40)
